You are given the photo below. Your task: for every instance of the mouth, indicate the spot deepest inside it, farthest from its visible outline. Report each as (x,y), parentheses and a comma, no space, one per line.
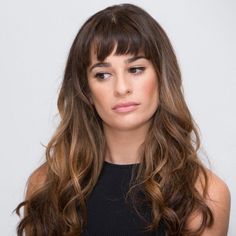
(126,104)
(126,108)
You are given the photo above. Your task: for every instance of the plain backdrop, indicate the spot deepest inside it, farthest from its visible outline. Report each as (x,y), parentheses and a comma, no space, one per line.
(35,37)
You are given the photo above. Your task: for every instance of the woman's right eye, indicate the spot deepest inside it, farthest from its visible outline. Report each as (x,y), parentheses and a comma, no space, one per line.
(102,76)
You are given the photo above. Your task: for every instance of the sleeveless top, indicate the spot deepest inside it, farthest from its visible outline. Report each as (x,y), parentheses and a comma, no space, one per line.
(108,213)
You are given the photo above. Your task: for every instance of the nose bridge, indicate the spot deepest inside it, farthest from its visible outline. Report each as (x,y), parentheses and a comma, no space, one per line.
(122,83)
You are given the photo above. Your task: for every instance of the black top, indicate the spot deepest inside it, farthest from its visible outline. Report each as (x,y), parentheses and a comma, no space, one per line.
(108,213)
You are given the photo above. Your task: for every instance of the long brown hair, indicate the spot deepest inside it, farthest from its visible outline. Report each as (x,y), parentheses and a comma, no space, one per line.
(169,167)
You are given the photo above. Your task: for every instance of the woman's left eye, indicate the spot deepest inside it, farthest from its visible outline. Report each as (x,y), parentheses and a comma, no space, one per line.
(136,70)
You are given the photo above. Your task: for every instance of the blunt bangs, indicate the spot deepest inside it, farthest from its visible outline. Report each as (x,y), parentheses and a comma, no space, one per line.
(120,33)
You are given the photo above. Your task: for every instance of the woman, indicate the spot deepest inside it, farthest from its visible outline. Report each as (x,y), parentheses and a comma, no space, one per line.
(124,160)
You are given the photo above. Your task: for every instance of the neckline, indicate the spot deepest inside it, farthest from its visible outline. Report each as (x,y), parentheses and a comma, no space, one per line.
(120,166)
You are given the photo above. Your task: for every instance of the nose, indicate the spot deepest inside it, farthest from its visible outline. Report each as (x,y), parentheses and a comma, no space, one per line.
(122,85)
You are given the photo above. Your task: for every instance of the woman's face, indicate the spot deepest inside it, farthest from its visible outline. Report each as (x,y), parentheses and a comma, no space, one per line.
(123,79)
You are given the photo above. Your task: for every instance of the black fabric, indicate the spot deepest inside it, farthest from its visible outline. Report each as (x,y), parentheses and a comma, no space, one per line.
(108,213)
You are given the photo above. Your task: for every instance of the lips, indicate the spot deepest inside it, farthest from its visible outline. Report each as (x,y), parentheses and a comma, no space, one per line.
(127,104)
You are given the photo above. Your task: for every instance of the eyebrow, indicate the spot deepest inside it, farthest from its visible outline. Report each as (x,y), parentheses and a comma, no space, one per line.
(106,64)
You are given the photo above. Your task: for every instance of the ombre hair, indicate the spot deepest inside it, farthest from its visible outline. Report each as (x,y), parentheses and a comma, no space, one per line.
(169,164)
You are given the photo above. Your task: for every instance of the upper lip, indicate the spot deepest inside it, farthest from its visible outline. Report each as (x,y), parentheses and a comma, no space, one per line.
(126,104)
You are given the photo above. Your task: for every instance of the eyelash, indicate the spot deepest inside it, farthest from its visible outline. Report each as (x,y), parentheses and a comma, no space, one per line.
(140,68)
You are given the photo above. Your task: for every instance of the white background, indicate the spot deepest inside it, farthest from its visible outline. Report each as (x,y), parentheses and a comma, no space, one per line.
(35,37)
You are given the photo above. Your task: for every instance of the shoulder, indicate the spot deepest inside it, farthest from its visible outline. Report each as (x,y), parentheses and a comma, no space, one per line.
(218,200)
(36,180)
(217,189)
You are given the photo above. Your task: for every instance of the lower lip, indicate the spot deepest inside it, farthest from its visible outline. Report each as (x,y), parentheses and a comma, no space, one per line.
(126,109)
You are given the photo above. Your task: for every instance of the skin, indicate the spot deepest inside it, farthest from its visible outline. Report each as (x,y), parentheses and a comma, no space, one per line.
(125,132)
(218,200)
(123,78)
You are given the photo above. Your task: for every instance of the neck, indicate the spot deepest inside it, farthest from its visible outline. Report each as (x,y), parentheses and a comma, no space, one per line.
(123,146)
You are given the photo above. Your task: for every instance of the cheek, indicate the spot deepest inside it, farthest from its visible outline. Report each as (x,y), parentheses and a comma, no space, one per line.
(150,90)
(99,96)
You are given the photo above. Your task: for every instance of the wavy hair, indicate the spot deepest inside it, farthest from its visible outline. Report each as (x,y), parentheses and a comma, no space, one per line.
(169,166)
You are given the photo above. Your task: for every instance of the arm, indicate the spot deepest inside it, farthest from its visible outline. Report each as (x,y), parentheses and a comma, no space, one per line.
(219,202)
